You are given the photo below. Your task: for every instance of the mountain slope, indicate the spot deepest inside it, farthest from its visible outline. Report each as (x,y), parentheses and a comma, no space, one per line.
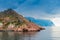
(10,20)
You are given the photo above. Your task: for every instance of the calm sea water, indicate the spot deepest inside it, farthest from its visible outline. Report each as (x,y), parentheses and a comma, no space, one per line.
(51,33)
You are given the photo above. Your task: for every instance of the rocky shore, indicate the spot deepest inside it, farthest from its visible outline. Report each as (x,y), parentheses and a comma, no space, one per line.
(24,28)
(21,30)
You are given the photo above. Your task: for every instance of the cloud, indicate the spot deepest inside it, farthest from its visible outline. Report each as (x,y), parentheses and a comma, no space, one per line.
(33,8)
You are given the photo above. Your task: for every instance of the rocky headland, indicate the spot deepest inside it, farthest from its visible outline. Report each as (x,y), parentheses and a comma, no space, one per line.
(10,20)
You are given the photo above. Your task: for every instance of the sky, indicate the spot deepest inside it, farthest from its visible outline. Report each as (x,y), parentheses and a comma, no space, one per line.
(45,9)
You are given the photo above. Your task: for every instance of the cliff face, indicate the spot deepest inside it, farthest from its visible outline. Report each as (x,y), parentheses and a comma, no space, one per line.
(10,20)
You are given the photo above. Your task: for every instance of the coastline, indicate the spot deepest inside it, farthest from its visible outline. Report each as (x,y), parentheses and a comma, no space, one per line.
(23,30)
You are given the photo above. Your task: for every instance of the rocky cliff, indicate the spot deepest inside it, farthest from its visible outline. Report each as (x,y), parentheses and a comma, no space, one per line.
(11,20)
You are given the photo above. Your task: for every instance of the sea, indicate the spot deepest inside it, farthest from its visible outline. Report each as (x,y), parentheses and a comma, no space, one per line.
(50,33)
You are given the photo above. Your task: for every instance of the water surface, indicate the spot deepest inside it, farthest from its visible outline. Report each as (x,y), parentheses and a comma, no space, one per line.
(51,33)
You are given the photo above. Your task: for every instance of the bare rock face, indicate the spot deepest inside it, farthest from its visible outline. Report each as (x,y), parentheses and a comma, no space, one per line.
(10,20)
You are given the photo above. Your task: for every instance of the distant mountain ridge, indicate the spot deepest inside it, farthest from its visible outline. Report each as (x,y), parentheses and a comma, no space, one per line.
(41,22)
